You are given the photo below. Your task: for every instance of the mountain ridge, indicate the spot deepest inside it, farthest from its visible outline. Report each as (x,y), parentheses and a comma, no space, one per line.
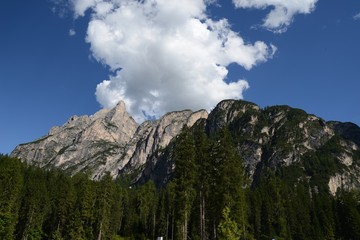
(273,137)
(106,141)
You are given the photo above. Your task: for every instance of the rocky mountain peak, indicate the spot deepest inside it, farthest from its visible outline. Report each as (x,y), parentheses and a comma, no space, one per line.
(117,113)
(275,137)
(108,141)
(227,111)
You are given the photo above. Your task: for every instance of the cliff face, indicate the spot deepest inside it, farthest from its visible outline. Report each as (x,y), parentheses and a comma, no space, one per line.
(271,138)
(108,141)
(281,137)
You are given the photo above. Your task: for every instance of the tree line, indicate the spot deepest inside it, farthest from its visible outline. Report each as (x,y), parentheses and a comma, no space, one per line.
(208,197)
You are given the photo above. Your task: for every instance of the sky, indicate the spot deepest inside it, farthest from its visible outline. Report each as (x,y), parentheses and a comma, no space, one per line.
(60,58)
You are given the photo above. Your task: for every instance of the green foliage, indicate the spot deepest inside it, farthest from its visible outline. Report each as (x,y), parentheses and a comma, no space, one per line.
(323,163)
(228,229)
(184,178)
(348,210)
(11,183)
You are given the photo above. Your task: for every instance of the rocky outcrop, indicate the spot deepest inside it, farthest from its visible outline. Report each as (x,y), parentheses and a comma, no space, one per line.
(158,135)
(346,181)
(347,130)
(276,138)
(271,138)
(108,141)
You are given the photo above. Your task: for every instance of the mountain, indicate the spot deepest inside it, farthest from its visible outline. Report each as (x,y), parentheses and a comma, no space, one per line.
(108,141)
(276,138)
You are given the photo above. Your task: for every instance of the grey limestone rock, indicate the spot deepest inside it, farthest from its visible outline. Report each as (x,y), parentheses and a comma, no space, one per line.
(273,137)
(108,141)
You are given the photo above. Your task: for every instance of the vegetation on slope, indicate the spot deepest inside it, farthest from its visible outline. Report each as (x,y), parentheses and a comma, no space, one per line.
(208,197)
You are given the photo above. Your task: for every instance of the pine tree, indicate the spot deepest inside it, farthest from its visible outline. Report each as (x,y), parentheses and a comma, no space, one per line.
(203,178)
(230,186)
(162,220)
(85,203)
(184,177)
(62,198)
(104,201)
(34,206)
(228,228)
(117,209)
(147,203)
(348,206)
(11,183)
(171,206)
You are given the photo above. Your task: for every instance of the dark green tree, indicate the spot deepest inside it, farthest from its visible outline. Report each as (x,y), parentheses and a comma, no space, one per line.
(348,205)
(147,204)
(203,181)
(85,203)
(230,182)
(184,177)
(11,183)
(104,202)
(35,205)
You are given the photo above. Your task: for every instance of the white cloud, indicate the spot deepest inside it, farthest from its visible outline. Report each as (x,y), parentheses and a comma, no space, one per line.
(166,55)
(60,7)
(357,16)
(80,6)
(72,32)
(282,12)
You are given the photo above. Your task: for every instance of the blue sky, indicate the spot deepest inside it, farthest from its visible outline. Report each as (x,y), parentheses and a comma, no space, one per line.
(47,75)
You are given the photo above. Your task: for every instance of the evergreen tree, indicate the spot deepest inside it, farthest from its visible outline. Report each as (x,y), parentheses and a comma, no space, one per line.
(34,205)
(62,198)
(11,183)
(348,206)
(184,177)
(85,203)
(171,206)
(129,226)
(117,210)
(228,229)
(103,204)
(230,184)
(203,181)
(162,219)
(147,203)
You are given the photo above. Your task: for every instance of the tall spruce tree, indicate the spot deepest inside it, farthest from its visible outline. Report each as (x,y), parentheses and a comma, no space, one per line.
(11,183)
(203,180)
(184,177)
(34,205)
(104,201)
(85,203)
(230,184)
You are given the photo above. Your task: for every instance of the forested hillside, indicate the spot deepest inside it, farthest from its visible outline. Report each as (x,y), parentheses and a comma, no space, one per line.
(208,196)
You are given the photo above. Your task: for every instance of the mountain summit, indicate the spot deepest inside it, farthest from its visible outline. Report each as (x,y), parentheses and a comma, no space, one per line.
(108,141)
(271,138)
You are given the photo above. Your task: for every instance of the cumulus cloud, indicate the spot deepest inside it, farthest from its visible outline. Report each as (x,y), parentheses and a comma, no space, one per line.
(72,32)
(357,16)
(80,6)
(166,55)
(282,12)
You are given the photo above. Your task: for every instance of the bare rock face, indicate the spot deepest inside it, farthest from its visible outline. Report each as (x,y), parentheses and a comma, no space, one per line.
(108,141)
(156,135)
(277,137)
(281,136)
